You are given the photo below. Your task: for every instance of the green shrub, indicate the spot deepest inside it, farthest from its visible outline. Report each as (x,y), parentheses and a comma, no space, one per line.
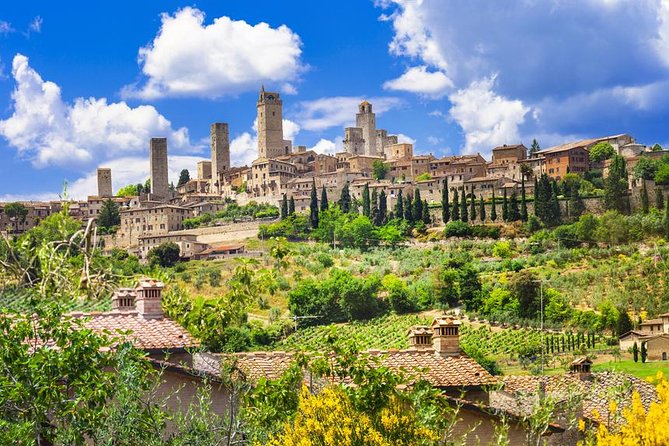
(457,229)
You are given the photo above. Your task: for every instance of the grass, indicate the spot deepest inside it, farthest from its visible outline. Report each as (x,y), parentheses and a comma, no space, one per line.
(638,369)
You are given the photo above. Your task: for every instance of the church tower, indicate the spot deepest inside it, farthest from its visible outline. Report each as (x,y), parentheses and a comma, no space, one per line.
(270,125)
(366,120)
(220,153)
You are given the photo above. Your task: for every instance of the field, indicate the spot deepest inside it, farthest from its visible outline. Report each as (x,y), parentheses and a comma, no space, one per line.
(639,369)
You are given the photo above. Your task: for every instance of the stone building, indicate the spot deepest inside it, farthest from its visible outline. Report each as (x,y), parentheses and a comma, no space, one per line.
(270,126)
(105,183)
(204,170)
(365,119)
(220,152)
(148,221)
(354,142)
(158,167)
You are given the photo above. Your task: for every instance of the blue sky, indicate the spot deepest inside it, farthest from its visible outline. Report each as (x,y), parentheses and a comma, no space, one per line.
(86,84)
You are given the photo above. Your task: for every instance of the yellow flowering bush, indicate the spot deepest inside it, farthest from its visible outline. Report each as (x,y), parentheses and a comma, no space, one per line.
(330,419)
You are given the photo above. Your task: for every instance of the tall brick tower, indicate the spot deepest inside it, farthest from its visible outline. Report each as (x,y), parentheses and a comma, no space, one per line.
(158,166)
(104,183)
(220,152)
(270,125)
(366,120)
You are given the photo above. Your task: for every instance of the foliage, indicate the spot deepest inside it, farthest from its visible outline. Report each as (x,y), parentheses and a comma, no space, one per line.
(165,254)
(313,206)
(295,227)
(601,151)
(184,177)
(379,170)
(109,217)
(646,168)
(130,190)
(615,186)
(425,176)
(16,211)
(233,212)
(457,228)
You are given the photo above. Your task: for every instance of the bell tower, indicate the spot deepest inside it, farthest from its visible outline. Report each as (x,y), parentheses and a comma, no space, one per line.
(270,125)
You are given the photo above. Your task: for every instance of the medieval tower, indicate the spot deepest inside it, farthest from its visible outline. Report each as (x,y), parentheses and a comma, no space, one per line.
(158,167)
(366,120)
(270,125)
(220,152)
(104,183)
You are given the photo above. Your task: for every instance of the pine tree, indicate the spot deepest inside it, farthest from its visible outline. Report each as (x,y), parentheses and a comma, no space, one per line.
(463,206)
(284,207)
(644,197)
(426,213)
(514,213)
(493,210)
(399,206)
(291,206)
(184,177)
(445,205)
(345,199)
(455,214)
(505,207)
(482,209)
(313,206)
(635,352)
(472,206)
(383,208)
(324,199)
(417,206)
(659,199)
(408,210)
(374,212)
(523,200)
(366,208)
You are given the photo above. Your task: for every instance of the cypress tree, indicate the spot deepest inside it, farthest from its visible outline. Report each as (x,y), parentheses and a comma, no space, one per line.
(383,208)
(313,206)
(463,206)
(555,204)
(615,186)
(399,206)
(514,213)
(417,206)
(505,207)
(472,207)
(408,210)
(536,197)
(374,215)
(644,197)
(482,215)
(666,220)
(493,210)
(291,206)
(635,352)
(345,199)
(284,207)
(644,352)
(523,200)
(324,199)
(366,209)
(659,199)
(426,213)
(576,206)
(445,205)
(455,215)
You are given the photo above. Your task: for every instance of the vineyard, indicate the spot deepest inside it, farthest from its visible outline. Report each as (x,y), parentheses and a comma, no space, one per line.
(390,332)
(19,303)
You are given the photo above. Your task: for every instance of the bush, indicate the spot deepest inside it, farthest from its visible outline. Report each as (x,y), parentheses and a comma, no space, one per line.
(457,228)
(165,255)
(485,231)
(502,250)
(325,260)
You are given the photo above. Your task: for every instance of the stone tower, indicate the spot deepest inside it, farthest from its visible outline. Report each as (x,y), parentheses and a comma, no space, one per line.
(104,183)
(354,143)
(270,125)
(158,166)
(220,152)
(366,120)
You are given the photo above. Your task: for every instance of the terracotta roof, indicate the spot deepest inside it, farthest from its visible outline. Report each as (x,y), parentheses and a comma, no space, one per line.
(578,144)
(513,146)
(222,248)
(147,334)
(651,322)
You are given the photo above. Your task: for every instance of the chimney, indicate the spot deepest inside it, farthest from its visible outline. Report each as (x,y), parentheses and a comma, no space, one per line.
(446,336)
(420,337)
(149,297)
(123,299)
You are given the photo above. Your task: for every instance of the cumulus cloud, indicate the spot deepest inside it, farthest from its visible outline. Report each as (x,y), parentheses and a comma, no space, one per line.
(5,27)
(36,25)
(486,118)
(432,84)
(49,131)
(244,147)
(190,58)
(339,111)
(325,146)
(402,138)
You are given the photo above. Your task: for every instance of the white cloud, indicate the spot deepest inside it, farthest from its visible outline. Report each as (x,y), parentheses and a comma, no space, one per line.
(325,146)
(290,129)
(49,131)
(401,138)
(190,58)
(432,84)
(244,149)
(339,111)
(5,27)
(434,140)
(36,25)
(487,118)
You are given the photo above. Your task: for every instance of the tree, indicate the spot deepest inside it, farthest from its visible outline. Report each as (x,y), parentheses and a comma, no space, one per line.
(615,186)
(665,221)
(635,352)
(534,148)
(109,215)
(417,211)
(184,177)
(291,205)
(345,199)
(374,213)
(408,210)
(601,151)
(464,216)
(576,206)
(555,204)
(383,208)
(482,208)
(523,198)
(445,204)
(624,322)
(514,213)
(505,207)
(399,206)
(472,206)
(659,199)
(313,206)
(284,207)
(324,199)
(379,169)
(455,214)
(493,210)
(524,285)
(426,213)
(165,255)
(644,352)
(16,211)
(366,208)
(128,191)
(646,168)
(644,197)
